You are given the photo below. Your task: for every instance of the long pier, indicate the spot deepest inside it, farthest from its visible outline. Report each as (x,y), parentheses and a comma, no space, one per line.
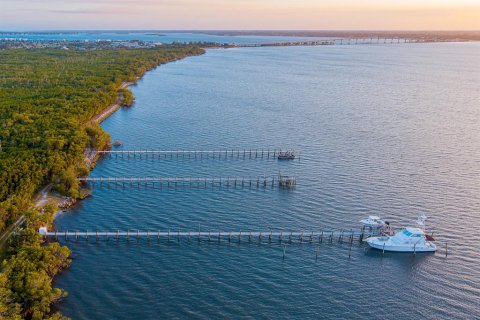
(327,236)
(259,181)
(197,154)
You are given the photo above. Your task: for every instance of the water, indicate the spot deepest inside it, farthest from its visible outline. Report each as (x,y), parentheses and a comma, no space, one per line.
(385,129)
(164,37)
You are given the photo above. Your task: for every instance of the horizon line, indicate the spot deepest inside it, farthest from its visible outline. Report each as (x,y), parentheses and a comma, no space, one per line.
(242,30)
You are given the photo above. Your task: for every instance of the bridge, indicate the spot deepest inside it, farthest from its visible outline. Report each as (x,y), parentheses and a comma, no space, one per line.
(339,41)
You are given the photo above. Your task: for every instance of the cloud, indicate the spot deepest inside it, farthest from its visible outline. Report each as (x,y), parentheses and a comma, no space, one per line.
(81,11)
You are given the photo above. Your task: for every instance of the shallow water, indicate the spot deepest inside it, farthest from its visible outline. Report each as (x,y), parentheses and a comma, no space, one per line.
(386,129)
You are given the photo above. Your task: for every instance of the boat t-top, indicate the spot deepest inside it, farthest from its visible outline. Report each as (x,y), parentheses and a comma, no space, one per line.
(373,222)
(410,239)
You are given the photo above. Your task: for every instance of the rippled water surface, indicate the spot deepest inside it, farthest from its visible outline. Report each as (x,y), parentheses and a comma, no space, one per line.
(392,130)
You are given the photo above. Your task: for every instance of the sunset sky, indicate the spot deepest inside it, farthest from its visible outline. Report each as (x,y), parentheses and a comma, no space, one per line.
(240,14)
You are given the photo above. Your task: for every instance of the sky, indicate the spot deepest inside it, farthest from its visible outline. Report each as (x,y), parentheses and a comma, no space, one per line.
(240,14)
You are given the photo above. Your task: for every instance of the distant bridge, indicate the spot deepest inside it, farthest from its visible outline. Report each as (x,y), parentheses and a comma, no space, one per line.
(340,41)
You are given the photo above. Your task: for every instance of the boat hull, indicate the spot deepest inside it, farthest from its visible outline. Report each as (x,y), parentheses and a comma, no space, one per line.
(385,246)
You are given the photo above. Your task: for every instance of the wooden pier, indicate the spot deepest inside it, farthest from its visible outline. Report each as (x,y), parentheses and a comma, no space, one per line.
(194,182)
(327,236)
(227,154)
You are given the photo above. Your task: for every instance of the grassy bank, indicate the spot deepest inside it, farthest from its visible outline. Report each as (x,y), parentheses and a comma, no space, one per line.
(47,101)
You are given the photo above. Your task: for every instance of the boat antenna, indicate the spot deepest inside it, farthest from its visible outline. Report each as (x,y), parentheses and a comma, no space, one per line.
(421,221)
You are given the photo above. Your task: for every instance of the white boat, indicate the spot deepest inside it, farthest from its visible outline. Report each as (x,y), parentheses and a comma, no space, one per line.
(373,222)
(408,240)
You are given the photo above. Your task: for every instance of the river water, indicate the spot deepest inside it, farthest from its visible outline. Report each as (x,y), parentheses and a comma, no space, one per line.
(391,130)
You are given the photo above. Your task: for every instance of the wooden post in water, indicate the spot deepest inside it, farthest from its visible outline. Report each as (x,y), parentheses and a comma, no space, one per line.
(446,249)
(350,250)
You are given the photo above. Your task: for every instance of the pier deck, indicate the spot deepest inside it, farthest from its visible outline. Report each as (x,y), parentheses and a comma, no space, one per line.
(199,182)
(233,154)
(281,236)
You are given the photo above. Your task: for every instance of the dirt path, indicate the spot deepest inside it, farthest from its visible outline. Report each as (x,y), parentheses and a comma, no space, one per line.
(112,108)
(42,196)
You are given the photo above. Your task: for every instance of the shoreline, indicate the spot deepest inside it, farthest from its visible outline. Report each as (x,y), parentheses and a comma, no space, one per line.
(105,113)
(91,155)
(41,202)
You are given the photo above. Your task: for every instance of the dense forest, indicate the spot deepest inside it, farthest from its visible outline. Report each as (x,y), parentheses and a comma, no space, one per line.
(47,100)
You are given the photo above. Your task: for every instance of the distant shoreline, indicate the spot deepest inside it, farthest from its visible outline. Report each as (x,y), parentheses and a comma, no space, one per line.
(439,35)
(354,34)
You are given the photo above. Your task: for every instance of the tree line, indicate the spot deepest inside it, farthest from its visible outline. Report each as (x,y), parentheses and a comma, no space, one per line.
(47,99)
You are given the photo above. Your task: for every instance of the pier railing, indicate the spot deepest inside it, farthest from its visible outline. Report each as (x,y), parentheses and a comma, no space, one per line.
(337,236)
(226,154)
(197,182)
(326,236)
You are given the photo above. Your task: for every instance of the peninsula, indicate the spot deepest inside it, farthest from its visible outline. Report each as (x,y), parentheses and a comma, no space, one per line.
(51,103)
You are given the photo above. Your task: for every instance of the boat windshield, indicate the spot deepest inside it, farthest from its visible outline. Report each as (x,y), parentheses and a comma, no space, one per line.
(409,234)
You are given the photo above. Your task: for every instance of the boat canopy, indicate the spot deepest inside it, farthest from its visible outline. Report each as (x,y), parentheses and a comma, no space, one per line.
(374,217)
